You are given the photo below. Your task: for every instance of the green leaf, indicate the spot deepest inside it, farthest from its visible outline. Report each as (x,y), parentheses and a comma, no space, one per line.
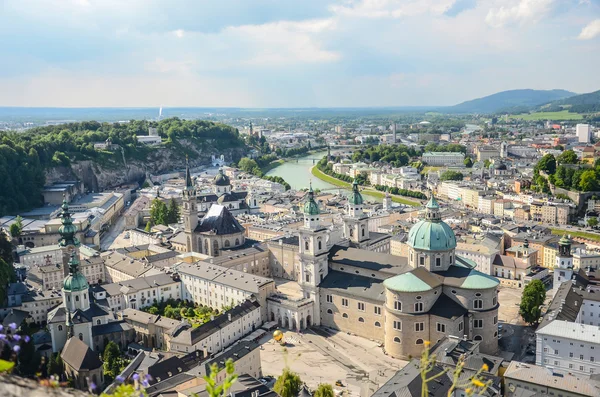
(6,366)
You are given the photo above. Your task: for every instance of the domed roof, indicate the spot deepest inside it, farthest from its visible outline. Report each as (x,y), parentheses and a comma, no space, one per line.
(407,282)
(499,166)
(75,282)
(478,280)
(355,197)
(565,240)
(221,179)
(310,206)
(432,234)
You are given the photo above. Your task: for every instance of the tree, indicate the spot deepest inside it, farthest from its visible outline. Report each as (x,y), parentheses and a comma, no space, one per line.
(288,384)
(451,176)
(7,276)
(546,164)
(324,390)
(28,360)
(158,212)
(592,222)
(486,163)
(588,181)
(55,365)
(173,212)
(112,360)
(468,162)
(6,248)
(215,390)
(532,300)
(17,227)
(567,157)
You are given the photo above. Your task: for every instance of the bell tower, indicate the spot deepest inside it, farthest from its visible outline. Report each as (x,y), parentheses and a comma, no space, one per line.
(313,239)
(356,224)
(68,243)
(563,269)
(190,210)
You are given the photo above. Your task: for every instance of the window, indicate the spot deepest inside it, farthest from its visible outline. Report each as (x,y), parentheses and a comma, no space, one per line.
(329,298)
(419,297)
(98,322)
(453,291)
(581,356)
(344,302)
(319,245)
(361,320)
(80,336)
(477,323)
(495,320)
(477,337)
(592,359)
(361,306)
(396,339)
(226,243)
(441,327)
(421,261)
(419,342)
(377,310)
(419,307)
(308,278)
(570,353)
(398,325)
(419,327)
(306,245)
(478,304)
(438,262)
(460,326)
(397,305)
(377,324)
(555,351)
(344,315)
(329,311)
(60,328)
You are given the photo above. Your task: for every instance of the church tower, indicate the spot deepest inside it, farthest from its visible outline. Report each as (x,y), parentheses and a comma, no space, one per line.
(563,269)
(356,224)
(68,243)
(190,210)
(75,288)
(313,240)
(387,202)
(504,149)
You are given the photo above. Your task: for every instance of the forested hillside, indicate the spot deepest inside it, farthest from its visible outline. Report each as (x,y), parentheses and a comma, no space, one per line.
(26,156)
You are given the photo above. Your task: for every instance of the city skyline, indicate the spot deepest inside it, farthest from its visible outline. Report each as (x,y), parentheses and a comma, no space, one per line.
(281,54)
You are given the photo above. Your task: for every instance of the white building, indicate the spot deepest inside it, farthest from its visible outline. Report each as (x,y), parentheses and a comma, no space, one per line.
(584,133)
(443,158)
(569,346)
(221,332)
(478,253)
(140,292)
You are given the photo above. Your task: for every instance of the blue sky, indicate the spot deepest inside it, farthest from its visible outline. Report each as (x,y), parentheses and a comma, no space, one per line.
(291,53)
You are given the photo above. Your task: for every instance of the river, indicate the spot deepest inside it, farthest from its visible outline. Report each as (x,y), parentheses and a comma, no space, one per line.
(296,172)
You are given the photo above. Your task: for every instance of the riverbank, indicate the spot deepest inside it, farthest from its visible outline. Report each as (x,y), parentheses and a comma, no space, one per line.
(273,164)
(370,192)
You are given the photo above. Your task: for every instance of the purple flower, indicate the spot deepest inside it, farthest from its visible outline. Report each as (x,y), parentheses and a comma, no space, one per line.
(16,337)
(92,386)
(2,337)
(142,394)
(16,348)
(12,326)
(148,377)
(120,379)
(1,327)
(135,377)
(145,383)
(26,338)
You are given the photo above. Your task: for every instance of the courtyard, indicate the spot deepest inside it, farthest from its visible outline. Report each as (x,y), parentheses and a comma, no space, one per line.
(322,355)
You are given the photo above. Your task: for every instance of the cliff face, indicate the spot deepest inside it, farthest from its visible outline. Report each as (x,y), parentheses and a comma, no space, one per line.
(98,176)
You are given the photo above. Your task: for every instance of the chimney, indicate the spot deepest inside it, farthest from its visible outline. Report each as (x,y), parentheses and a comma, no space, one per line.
(229,317)
(212,317)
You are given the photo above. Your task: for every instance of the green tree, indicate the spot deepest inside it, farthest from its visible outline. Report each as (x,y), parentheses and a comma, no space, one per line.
(588,181)
(486,163)
(532,300)
(451,176)
(153,310)
(593,221)
(148,227)
(112,360)
(55,365)
(6,248)
(17,227)
(468,162)
(567,157)
(28,360)
(173,212)
(7,276)
(324,390)
(158,212)
(546,164)
(288,384)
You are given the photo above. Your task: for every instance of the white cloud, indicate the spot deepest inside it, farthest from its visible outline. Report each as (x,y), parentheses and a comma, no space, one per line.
(520,11)
(283,42)
(392,8)
(590,31)
(179,33)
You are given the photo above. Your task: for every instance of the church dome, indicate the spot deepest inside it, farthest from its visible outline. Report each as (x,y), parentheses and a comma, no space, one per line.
(221,179)
(75,282)
(355,197)
(310,206)
(432,234)
(407,282)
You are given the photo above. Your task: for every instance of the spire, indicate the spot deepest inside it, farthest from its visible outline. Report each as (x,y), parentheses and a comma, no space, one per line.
(73,264)
(188,176)
(432,209)
(310,206)
(355,198)
(67,230)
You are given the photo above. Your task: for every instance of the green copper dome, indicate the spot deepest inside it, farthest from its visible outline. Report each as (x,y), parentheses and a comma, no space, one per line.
(406,282)
(432,234)
(565,240)
(478,280)
(75,281)
(310,206)
(355,196)
(67,230)
(221,179)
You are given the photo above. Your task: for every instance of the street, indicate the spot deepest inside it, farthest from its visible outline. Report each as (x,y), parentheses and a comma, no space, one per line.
(114,231)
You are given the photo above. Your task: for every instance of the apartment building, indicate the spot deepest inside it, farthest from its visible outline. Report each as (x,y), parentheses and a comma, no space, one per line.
(443,158)
(140,292)
(120,267)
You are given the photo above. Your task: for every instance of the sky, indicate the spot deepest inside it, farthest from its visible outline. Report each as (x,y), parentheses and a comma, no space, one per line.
(291,53)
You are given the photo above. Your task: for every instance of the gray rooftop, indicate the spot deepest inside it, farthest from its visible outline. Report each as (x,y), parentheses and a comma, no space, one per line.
(222,275)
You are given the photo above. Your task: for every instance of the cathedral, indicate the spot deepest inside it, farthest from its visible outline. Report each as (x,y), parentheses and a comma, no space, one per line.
(401,302)
(222,194)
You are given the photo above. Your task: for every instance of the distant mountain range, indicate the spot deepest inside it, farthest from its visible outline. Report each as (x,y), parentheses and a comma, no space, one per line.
(512,101)
(583,103)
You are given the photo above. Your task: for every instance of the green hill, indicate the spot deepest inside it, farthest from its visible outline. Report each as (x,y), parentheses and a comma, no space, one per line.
(512,101)
(584,103)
